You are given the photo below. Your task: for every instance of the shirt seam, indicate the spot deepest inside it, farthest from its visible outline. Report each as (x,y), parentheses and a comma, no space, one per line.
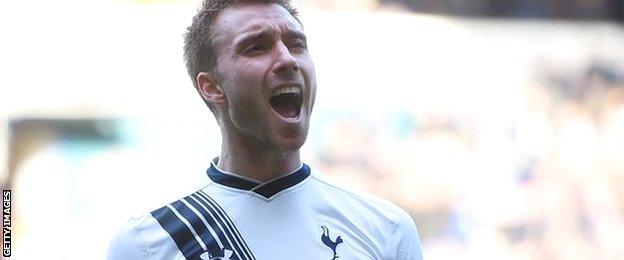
(146,251)
(360,198)
(396,237)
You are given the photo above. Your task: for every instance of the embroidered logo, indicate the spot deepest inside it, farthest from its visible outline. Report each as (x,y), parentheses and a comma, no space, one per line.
(226,255)
(329,243)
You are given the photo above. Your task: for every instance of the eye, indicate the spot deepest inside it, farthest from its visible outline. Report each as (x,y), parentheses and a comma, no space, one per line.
(298,45)
(256,48)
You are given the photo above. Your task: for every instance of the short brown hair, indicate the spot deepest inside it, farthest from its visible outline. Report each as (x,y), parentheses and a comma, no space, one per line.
(199,45)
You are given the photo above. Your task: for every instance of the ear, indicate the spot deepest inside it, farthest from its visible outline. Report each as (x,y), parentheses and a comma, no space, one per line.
(209,89)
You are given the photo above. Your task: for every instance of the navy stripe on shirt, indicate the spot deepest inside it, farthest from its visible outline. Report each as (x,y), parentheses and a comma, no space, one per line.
(227,228)
(213,221)
(228,221)
(199,227)
(179,232)
(194,238)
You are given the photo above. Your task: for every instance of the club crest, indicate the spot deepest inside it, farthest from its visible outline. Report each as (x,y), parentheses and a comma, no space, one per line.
(332,244)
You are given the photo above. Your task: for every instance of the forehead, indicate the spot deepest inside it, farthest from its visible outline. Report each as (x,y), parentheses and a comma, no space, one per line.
(240,19)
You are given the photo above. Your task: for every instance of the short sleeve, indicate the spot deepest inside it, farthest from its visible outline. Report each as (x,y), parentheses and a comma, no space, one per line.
(127,244)
(408,244)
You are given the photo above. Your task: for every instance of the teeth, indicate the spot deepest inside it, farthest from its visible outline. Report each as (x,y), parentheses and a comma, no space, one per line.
(287,90)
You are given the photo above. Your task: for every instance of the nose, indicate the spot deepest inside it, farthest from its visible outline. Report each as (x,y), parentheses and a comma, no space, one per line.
(284,61)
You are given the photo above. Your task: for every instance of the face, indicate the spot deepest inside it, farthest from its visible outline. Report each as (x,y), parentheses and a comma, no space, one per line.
(266,75)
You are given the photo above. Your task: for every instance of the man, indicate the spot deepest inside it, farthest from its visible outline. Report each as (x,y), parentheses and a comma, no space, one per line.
(250,63)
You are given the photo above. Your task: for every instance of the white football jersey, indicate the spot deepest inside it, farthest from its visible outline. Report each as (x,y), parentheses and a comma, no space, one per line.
(296,216)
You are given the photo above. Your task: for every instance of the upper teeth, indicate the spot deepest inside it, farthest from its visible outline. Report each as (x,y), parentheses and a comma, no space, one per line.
(287,90)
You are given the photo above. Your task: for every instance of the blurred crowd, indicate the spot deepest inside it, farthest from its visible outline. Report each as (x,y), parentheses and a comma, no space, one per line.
(612,10)
(548,186)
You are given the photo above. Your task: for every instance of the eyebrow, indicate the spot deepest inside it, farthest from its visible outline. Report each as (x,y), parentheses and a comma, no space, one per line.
(261,33)
(249,36)
(296,34)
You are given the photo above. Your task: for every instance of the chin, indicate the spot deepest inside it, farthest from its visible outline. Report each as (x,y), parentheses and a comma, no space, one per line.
(291,145)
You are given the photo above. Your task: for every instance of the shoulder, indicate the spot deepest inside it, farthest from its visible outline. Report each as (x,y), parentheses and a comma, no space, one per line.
(129,242)
(407,239)
(394,224)
(358,200)
(147,236)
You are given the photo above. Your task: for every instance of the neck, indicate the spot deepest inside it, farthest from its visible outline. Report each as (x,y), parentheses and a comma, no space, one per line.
(255,160)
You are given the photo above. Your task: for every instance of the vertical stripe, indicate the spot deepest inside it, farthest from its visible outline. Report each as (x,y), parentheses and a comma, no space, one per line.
(210,243)
(201,243)
(210,218)
(237,245)
(206,224)
(229,222)
(179,232)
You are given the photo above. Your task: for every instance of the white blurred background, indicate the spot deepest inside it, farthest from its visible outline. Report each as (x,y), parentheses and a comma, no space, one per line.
(498,125)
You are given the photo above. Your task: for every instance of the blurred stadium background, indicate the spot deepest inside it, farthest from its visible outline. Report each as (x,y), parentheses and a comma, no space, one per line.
(499,125)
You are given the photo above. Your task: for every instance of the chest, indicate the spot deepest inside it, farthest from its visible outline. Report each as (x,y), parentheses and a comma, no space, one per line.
(292,228)
(305,233)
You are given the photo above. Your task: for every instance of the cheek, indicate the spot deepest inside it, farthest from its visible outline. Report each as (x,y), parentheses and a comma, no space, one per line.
(249,79)
(244,81)
(245,96)
(244,109)
(307,68)
(309,75)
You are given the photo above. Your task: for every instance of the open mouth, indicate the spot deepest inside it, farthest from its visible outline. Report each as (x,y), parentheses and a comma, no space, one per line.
(287,102)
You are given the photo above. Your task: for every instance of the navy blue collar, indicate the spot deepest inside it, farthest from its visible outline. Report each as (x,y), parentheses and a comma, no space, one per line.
(266,189)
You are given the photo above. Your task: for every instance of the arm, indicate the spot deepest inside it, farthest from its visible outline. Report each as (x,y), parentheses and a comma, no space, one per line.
(127,244)
(408,245)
